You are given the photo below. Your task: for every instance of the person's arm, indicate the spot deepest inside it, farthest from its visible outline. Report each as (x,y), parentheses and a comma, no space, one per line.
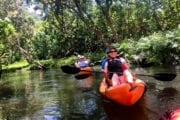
(103,63)
(76,64)
(88,61)
(108,81)
(126,72)
(128,76)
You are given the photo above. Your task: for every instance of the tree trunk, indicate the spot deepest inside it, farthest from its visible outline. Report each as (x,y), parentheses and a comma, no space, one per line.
(89,23)
(105,12)
(26,55)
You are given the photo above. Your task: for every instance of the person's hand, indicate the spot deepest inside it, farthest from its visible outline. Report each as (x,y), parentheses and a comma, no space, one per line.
(109,82)
(134,76)
(132,87)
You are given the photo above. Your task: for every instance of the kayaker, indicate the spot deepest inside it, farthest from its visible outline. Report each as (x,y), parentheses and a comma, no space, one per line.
(104,60)
(116,66)
(82,62)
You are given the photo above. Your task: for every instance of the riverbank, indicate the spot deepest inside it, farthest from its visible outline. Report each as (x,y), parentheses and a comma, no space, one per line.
(95,59)
(47,64)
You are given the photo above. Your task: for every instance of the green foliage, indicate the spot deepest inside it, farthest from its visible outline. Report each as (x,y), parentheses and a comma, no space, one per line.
(17,65)
(159,48)
(51,42)
(6,28)
(46,64)
(65,61)
(95,56)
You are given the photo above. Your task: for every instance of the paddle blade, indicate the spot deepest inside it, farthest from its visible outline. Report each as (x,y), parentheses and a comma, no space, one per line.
(70,69)
(165,76)
(82,76)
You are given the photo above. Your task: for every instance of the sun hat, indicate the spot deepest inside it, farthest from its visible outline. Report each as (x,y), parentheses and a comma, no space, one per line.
(80,57)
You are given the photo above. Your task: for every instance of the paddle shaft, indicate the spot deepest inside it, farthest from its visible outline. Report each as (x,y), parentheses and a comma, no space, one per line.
(145,75)
(117,72)
(95,71)
(158,76)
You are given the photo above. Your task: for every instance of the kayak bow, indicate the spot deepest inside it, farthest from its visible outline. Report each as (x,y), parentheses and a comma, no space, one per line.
(123,94)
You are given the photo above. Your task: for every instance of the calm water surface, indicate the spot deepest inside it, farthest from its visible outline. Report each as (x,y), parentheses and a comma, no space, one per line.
(53,95)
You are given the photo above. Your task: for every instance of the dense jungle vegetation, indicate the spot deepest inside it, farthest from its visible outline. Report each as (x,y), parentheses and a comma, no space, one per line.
(144,31)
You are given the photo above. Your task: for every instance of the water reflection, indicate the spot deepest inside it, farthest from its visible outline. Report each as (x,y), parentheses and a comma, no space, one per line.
(83,106)
(53,95)
(168,93)
(85,84)
(117,112)
(50,112)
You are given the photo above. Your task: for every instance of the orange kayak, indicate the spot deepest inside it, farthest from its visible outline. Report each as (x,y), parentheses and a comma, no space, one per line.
(123,94)
(85,71)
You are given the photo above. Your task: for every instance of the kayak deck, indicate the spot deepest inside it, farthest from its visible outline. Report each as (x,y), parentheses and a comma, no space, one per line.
(85,71)
(123,94)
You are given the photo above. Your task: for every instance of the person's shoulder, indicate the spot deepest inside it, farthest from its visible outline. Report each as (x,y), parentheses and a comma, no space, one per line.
(87,60)
(122,59)
(104,59)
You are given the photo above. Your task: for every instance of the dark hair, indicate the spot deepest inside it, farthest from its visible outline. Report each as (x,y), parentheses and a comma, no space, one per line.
(110,48)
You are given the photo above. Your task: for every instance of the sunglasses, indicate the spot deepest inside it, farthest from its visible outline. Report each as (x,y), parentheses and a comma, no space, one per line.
(112,51)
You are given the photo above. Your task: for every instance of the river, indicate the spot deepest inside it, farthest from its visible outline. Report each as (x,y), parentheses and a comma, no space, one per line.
(53,95)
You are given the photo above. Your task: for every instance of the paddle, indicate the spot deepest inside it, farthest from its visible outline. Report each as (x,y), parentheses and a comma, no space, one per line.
(70,69)
(161,76)
(82,76)
(73,70)
(158,76)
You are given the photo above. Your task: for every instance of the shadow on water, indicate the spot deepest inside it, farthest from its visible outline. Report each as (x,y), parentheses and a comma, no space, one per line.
(116,112)
(168,93)
(6,90)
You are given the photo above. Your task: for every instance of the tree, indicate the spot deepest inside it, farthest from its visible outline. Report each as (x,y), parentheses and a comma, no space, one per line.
(6,31)
(23,28)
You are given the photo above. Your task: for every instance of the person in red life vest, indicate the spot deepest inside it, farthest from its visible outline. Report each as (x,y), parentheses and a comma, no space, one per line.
(82,62)
(116,69)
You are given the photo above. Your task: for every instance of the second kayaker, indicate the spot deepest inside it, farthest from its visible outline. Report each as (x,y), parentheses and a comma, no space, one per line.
(81,62)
